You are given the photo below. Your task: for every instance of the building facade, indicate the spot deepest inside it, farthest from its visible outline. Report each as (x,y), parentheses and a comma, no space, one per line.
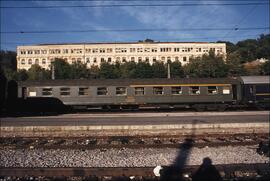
(96,53)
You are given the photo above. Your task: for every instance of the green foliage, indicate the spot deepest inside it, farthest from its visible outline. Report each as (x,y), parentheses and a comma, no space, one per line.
(265,68)
(235,67)
(177,70)
(207,66)
(62,69)
(108,71)
(8,60)
(143,70)
(38,73)
(159,70)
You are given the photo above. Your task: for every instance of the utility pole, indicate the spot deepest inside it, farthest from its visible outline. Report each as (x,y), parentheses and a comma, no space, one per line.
(53,71)
(169,71)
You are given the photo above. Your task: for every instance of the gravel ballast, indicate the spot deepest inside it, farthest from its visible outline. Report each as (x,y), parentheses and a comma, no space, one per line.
(124,157)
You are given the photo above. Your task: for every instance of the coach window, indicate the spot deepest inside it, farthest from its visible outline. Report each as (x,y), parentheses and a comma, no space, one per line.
(83,91)
(194,90)
(139,90)
(47,91)
(226,90)
(121,91)
(102,91)
(212,90)
(158,90)
(65,91)
(176,90)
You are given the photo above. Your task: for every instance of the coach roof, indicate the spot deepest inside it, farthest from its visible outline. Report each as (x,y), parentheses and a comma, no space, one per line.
(255,79)
(126,82)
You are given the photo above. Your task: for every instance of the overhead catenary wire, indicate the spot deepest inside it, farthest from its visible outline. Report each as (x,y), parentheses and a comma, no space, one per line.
(133,5)
(133,30)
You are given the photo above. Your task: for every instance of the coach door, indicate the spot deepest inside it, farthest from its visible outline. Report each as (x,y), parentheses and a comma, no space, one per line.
(24,92)
(234,92)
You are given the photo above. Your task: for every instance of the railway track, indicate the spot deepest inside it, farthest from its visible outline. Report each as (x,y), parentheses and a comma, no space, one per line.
(132,142)
(259,171)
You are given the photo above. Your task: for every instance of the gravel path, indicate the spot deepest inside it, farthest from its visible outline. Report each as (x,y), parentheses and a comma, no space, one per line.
(126,157)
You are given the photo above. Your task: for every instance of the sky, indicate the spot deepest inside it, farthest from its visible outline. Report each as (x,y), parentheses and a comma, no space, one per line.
(186,23)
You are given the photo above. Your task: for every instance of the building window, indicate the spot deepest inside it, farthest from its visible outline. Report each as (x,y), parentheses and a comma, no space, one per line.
(65,51)
(194,90)
(43,51)
(139,50)
(121,91)
(226,90)
(109,59)
(23,62)
(102,91)
(212,90)
(154,49)
(29,61)
(95,50)
(158,90)
(88,50)
(132,50)
(95,60)
(83,91)
(163,58)
(23,52)
(87,60)
(176,49)
(65,91)
(43,61)
(176,58)
(184,59)
(124,59)
(176,90)
(139,90)
(147,50)
(154,59)
(109,50)
(36,51)
(168,59)
(36,61)
(132,59)
(139,59)
(29,52)
(47,91)
(79,60)
(102,50)
(147,59)
(102,60)
(118,59)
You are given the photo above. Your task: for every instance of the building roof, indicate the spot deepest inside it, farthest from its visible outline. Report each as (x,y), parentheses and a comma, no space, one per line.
(255,79)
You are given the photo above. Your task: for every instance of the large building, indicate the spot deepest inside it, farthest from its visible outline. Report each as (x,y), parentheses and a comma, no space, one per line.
(96,53)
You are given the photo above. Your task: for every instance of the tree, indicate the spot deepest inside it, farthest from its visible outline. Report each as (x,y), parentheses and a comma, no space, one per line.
(62,69)
(207,66)
(127,70)
(177,70)
(108,71)
(79,71)
(38,73)
(265,68)
(143,70)
(8,60)
(235,67)
(159,70)
(22,75)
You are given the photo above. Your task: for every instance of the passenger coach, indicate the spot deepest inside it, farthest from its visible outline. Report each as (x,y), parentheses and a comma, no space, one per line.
(200,94)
